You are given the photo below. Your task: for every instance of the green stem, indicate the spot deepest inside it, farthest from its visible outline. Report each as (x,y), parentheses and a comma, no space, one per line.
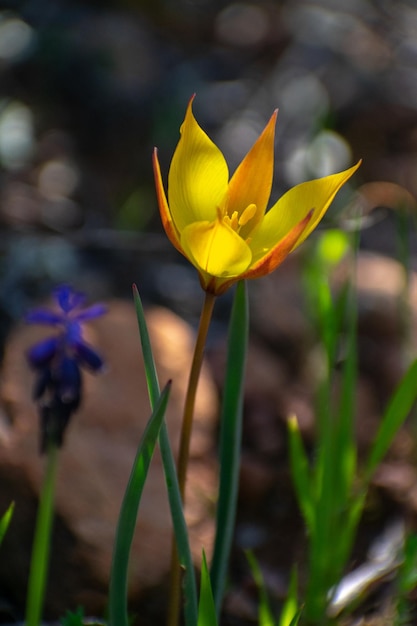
(184,450)
(187,419)
(42,541)
(230,442)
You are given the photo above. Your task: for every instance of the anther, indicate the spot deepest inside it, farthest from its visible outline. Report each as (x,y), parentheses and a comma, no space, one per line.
(247,214)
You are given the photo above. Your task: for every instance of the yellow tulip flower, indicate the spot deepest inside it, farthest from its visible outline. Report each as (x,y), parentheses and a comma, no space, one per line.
(221,226)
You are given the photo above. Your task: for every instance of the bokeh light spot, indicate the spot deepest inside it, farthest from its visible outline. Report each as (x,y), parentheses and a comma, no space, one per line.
(16,134)
(16,37)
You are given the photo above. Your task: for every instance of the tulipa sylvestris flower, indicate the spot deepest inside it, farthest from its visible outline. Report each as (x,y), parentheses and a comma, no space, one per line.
(221,226)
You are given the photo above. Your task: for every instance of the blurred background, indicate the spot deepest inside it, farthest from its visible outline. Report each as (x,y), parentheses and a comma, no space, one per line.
(88,89)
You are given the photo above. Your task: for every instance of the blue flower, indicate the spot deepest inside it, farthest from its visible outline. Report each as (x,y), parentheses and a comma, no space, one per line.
(58,360)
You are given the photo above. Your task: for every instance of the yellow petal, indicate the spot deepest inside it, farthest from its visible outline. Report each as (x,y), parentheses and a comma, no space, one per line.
(216,249)
(293,207)
(274,257)
(251,183)
(164,211)
(198,176)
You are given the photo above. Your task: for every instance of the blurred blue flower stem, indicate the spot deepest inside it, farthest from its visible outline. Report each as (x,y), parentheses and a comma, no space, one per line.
(42,541)
(57,361)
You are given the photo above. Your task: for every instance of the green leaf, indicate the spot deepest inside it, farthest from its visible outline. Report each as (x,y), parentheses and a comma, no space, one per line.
(301,474)
(206,607)
(345,441)
(296,618)
(150,369)
(77,618)
(397,411)
(290,609)
(230,440)
(127,520)
(5,521)
(407,578)
(265,617)
(72,618)
(171,480)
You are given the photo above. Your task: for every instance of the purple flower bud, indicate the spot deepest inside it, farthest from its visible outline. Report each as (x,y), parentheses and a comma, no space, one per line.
(67,298)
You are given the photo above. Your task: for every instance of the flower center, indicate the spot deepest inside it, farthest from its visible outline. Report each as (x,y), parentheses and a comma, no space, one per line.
(236,221)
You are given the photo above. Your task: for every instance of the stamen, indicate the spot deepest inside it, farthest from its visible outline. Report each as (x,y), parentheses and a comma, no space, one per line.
(226,220)
(234,220)
(247,214)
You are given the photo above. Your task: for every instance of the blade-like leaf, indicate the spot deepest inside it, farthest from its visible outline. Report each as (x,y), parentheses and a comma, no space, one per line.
(301,474)
(171,480)
(398,409)
(290,609)
(345,443)
(128,514)
(5,521)
(148,360)
(230,440)
(296,618)
(265,617)
(206,608)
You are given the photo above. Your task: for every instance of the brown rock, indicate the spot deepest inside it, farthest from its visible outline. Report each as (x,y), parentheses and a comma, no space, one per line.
(96,460)
(387,337)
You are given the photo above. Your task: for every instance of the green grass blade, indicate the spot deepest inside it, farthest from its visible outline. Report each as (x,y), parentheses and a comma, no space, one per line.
(290,610)
(174,497)
(206,607)
(397,411)
(5,521)
(345,448)
(127,520)
(347,503)
(150,369)
(230,440)
(296,618)
(407,578)
(301,474)
(265,617)
(345,443)
(73,618)
(42,541)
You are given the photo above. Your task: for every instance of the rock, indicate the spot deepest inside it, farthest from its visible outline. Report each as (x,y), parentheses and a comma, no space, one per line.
(387,337)
(96,460)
